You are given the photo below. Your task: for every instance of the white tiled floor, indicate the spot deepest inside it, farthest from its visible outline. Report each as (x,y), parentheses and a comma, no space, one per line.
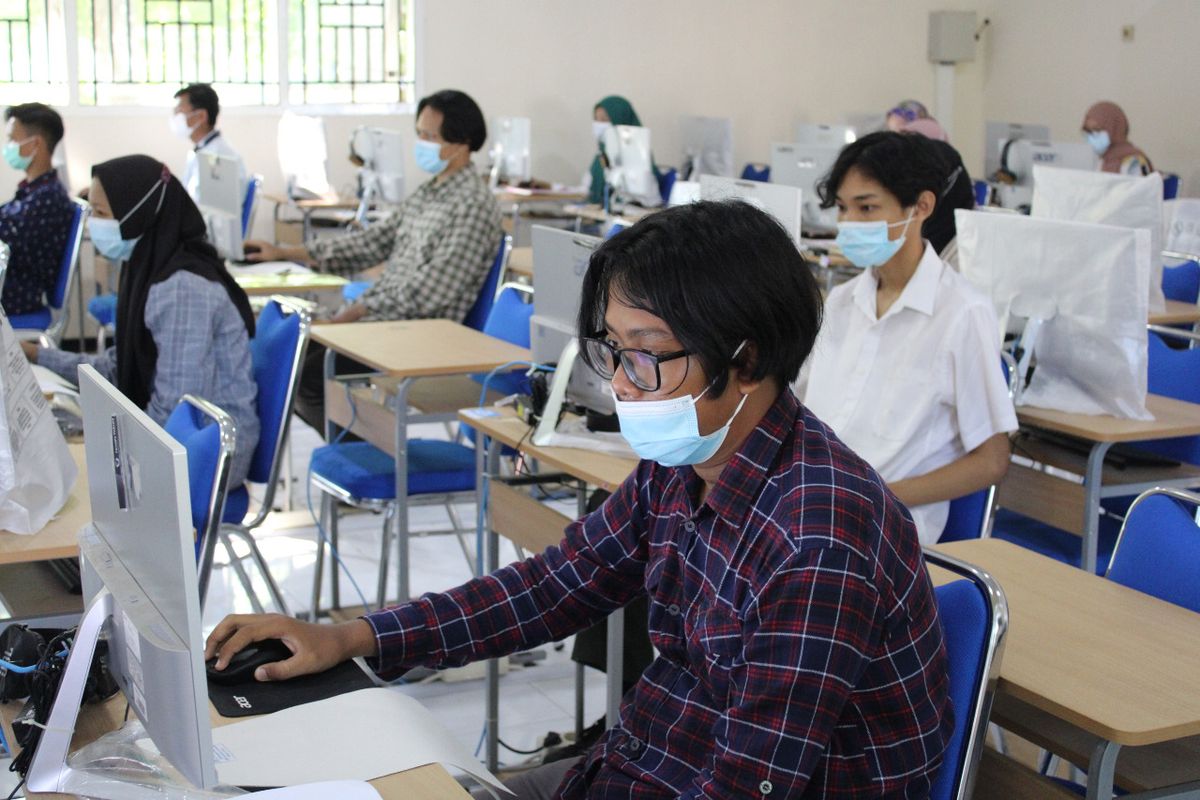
(533,700)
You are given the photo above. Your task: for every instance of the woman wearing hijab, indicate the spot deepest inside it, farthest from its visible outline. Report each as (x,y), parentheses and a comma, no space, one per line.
(1107,130)
(612,110)
(183,324)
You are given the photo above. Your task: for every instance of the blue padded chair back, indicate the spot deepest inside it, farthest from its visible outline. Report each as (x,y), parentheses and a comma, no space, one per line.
(1182,282)
(967,516)
(1158,551)
(70,259)
(509,318)
(248,203)
(982,192)
(974,616)
(666,180)
(278,336)
(1170,186)
(756,172)
(201,437)
(477,316)
(1173,373)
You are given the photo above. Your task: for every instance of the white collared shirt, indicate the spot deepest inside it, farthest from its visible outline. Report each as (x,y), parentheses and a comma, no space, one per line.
(216,144)
(917,389)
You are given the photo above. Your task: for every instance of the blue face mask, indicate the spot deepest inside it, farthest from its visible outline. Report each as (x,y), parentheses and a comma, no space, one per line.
(1099,140)
(12,154)
(106,233)
(668,431)
(866,244)
(429,157)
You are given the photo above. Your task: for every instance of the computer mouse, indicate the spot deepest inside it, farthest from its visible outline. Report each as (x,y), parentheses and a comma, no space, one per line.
(251,249)
(241,667)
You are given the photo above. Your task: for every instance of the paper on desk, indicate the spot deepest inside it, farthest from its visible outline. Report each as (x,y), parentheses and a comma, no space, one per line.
(52,383)
(573,432)
(355,736)
(267,268)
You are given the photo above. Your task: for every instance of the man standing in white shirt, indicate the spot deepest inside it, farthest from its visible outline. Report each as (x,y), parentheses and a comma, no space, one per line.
(195,119)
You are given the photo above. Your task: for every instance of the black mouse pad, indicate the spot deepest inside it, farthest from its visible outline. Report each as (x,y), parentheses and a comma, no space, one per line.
(253,697)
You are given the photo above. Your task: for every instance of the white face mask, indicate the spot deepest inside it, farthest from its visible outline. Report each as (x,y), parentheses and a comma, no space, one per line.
(178,124)
(599,129)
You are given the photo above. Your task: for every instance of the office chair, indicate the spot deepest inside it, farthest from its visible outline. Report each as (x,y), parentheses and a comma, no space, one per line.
(250,204)
(46,320)
(974,616)
(756,172)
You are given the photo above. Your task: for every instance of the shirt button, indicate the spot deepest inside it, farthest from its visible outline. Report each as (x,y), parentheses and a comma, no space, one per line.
(673,610)
(635,745)
(765,787)
(689,526)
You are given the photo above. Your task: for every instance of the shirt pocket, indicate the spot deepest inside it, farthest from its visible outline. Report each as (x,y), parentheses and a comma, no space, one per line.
(714,646)
(905,404)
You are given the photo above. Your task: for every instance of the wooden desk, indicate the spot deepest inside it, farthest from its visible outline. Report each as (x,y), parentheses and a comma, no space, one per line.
(1075,505)
(1177,312)
(1084,653)
(534,526)
(290,283)
(407,351)
(430,782)
(595,213)
(308,207)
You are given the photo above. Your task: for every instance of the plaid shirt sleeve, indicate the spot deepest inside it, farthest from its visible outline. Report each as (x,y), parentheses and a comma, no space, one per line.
(66,364)
(354,252)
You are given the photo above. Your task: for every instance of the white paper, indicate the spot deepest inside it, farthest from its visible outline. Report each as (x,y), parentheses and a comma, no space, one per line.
(355,736)
(342,790)
(52,383)
(267,268)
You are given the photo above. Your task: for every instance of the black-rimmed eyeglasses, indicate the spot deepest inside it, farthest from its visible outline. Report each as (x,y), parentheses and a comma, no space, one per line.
(641,366)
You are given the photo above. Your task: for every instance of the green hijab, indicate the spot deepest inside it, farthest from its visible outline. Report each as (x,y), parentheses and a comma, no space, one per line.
(620,112)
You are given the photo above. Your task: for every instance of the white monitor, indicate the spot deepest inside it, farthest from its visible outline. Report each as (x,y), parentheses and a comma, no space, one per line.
(1024,155)
(382,153)
(814,133)
(707,147)
(804,166)
(219,198)
(782,202)
(302,156)
(996,134)
(138,565)
(630,170)
(510,150)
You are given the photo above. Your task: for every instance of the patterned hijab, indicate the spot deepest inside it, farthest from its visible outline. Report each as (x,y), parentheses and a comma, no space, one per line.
(1109,117)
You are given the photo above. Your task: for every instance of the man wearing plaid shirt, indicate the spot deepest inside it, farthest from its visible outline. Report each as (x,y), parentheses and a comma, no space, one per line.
(799,652)
(436,247)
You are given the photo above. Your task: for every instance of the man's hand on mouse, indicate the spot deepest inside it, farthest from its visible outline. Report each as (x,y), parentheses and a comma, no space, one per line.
(315,648)
(257,250)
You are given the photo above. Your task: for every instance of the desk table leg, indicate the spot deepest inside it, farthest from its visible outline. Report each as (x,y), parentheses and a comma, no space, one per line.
(1101,770)
(1091,504)
(401,522)
(492,551)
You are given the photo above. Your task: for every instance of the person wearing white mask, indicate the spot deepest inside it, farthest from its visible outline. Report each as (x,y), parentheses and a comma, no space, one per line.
(907,367)
(436,247)
(194,119)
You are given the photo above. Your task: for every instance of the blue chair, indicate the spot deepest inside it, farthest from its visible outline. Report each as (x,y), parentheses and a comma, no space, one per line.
(208,435)
(666,180)
(250,203)
(756,172)
(52,318)
(1182,282)
(509,321)
(1158,551)
(478,314)
(983,192)
(103,309)
(277,353)
(974,616)
(1170,186)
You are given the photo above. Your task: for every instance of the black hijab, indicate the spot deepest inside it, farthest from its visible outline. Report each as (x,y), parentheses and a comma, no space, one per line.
(172,238)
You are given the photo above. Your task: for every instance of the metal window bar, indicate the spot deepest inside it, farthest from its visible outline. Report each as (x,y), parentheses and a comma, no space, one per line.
(32,45)
(350,51)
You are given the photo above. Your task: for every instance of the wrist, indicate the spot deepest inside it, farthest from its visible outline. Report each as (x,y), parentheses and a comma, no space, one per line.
(357,638)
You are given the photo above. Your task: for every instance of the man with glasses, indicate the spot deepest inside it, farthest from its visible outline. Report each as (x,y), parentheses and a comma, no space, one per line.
(799,652)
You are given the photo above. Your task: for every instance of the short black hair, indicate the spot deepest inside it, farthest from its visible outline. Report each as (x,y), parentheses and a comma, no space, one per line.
(462,121)
(202,95)
(957,191)
(718,273)
(40,120)
(897,161)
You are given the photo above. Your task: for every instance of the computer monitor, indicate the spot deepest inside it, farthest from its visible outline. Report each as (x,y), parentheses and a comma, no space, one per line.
(782,202)
(1024,155)
(381,178)
(138,565)
(510,150)
(707,147)
(809,133)
(630,170)
(219,195)
(996,134)
(302,156)
(560,260)
(804,166)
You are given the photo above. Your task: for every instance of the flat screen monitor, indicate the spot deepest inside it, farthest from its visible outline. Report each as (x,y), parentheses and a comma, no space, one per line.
(382,153)
(219,195)
(995,134)
(560,260)
(302,156)
(511,150)
(1024,155)
(834,135)
(782,202)
(707,147)
(804,166)
(630,172)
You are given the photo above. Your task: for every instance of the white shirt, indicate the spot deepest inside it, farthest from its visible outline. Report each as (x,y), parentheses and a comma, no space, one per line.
(216,144)
(917,389)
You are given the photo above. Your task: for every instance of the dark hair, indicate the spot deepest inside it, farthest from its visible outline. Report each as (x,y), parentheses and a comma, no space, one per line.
(957,191)
(718,273)
(899,162)
(40,120)
(202,96)
(462,121)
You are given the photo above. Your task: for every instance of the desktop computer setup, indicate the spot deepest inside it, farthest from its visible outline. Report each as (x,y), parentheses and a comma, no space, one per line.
(219,195)
(510,151)
(805,166)
(381,177)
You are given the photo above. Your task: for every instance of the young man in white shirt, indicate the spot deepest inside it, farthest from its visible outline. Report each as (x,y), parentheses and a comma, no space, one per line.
(195,119)
(906,369)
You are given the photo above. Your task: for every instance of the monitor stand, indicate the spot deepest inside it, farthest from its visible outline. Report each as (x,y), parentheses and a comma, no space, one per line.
(558,393)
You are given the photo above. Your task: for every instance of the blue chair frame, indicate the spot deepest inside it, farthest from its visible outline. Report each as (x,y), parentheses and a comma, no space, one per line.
(250,203)
(974,616)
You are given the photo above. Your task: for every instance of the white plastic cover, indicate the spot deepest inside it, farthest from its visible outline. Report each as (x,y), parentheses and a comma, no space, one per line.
(630,172)
(1107,199)
(1091,357)
(1181,225)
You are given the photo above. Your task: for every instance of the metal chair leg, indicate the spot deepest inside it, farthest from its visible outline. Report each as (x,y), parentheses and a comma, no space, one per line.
(335,584)
(319,566)
(236,562)
(385,553)
(261,562)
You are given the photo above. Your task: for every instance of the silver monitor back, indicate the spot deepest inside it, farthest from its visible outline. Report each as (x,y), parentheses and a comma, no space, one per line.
(707,146)
(832,135)
(804,166)
(782,202)
(995,134)
(510,151)
(141,548)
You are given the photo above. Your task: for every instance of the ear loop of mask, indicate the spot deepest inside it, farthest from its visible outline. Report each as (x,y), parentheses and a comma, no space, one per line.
(162,182)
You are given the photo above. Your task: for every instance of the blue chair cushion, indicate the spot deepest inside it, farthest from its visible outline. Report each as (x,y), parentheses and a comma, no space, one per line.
(103,308)
(237,503)
(365,471)
(35,320)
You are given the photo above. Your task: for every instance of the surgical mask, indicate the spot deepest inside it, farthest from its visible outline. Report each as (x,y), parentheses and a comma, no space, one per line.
(1099,140)
(866,244)
(668,431)
(429,156)
(599,129)
(178,123)
(106,233)
(12,154)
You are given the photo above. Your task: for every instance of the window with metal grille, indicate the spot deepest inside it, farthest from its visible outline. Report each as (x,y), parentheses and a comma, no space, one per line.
(350,51)
(33,63)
